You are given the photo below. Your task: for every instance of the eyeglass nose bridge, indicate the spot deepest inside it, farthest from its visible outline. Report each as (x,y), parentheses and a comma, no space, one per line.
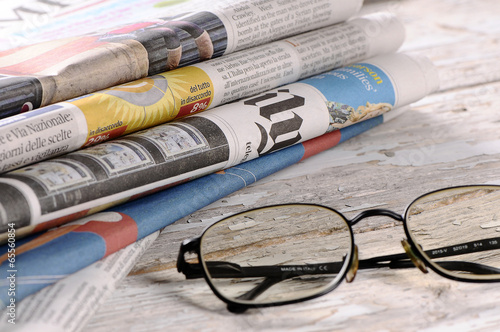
(375,213)
(406,245)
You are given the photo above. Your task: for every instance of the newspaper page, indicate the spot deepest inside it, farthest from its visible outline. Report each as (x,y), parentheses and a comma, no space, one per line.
(71,247)
(67,126)
(69,304)
(56,191)
(41,74)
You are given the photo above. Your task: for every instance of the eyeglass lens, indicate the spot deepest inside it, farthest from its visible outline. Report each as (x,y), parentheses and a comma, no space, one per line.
(277,254)
(458,231)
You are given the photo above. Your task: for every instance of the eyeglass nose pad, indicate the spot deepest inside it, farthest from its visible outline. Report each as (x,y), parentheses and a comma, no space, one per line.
(351,273)
(414,258)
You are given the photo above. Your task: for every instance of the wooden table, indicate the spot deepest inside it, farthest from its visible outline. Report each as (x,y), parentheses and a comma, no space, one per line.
(449,138)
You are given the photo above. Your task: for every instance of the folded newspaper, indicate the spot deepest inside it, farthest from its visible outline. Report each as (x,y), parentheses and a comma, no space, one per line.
(67,126)
(41,74)
(62,189)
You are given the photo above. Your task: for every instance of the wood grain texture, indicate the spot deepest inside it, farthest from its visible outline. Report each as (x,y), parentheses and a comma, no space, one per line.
(449,138)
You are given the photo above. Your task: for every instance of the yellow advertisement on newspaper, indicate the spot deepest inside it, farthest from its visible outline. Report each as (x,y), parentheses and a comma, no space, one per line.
(145,103)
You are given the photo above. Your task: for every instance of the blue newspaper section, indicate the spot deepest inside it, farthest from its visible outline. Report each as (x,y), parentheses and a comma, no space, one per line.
(358,82)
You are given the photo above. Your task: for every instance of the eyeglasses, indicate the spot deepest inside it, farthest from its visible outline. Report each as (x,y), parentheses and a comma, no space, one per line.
(288,253)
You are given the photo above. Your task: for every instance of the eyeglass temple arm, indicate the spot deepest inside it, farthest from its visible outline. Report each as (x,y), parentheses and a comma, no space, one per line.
(395,261)
(217,269)
(465,248)
(220,269)
(402,260)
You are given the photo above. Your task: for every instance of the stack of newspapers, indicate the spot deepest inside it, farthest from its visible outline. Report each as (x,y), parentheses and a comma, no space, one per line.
(107,137)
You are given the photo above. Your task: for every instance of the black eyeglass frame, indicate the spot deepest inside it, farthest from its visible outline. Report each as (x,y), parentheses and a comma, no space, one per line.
(412,258)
